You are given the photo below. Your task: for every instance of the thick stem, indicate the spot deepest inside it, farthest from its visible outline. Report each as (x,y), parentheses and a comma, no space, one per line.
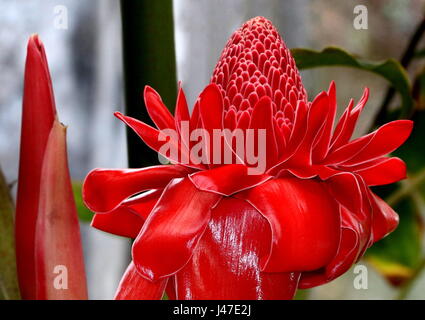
(149,59)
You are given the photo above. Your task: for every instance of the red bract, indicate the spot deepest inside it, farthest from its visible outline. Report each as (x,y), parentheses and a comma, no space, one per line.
(216,230)
(48,243)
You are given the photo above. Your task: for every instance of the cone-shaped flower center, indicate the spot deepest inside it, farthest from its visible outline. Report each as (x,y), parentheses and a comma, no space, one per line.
(257,63)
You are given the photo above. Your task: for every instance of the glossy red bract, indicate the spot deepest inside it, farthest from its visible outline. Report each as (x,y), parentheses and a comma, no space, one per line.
(213,230)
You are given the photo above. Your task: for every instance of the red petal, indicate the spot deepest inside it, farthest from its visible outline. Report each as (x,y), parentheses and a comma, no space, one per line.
(298,131)
(57,236)
(158,112)
(143,204)
(315,123)
(156,139)
(128,218)
(195,117)
(171,289)
(105,189)
(173,229)
(339,129)
(280,139)
(297,135)
(182,120)
(385,140)
(226,262)
(350,123)
(121,222)
(262,118)
(385,219)
(211,112)
(149,135)
(381,171)
(38,114)
(348,252)
(322,147)
(346,190)
(227,180)
(348,150)
(352,193)
(211,108)
(181,114)
(304,220)
(134,287)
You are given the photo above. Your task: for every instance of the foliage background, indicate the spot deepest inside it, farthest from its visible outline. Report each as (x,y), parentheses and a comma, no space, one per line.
(86,66)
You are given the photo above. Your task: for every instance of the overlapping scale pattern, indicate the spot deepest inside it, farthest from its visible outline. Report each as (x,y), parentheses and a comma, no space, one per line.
(257,63)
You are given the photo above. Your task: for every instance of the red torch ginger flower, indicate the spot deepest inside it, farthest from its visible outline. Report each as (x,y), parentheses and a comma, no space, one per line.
(220,229)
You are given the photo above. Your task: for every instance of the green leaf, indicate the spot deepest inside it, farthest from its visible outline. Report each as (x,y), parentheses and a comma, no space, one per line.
(9,289)
(389,69)
(84,213)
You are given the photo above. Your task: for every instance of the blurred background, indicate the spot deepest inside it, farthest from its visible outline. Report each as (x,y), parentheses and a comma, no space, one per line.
(86,65)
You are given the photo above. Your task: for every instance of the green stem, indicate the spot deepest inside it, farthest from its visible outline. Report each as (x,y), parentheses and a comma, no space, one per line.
(9,288)
(149,59)
(408,286)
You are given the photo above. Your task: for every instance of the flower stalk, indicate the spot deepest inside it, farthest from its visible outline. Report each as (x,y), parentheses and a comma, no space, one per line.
(149,58)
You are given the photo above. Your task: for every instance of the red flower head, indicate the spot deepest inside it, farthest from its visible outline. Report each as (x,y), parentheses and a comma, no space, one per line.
(264,195)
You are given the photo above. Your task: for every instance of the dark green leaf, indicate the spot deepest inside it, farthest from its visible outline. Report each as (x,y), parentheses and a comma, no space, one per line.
(389,69)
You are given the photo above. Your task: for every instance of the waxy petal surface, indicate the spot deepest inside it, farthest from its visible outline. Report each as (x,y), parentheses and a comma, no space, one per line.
(226,262)
(385,140)
(128,218)
(135,287)
(228,180)
(105,189)
(303,218)
(262,119)
(173,229)
(347,254)
(158,112)
(385,219)
(381,171)
(345,131)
